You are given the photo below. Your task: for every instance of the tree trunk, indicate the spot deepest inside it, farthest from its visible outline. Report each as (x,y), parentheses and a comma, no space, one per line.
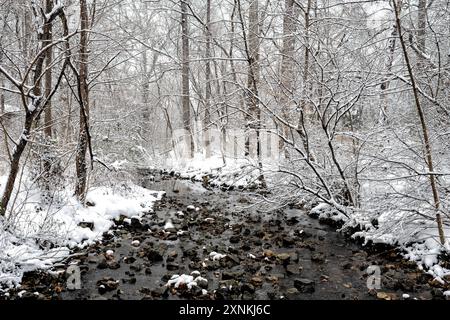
(186,103)
(251,43)
(145,87)
(48,73)
(305,111)
(207,117)
(2,95)
(81,166)
(252,48)
(287,71)
(15,163)
(421,32)
(389,63)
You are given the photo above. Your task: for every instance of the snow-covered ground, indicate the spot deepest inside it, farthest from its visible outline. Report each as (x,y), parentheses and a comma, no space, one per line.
(38,236)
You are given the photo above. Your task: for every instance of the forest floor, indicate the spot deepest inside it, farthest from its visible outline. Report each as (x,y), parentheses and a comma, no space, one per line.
(209,244)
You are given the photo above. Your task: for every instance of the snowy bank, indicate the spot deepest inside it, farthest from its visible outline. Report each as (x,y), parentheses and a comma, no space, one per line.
(37,236)
(220,171)
(416,237)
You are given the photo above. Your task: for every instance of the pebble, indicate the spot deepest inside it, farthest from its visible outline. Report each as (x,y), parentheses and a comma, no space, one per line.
(304,285)
(109,253)
(135,243)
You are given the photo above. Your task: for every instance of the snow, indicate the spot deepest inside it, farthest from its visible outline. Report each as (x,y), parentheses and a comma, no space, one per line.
(326,211)
(21,293)
(109,253)
(235,172)
(12,108)
(135,243)
(214,256)
(57,7)
(195,273)
(181,280)
(31,225)
(169,225)
(186,280)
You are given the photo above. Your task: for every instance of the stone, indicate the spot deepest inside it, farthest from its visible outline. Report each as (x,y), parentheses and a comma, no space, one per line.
(284,258)
(247,287)
(386,296)
(294,257)
(293,269)
(227,275)
(172,266)
(160,292)
(256,281)
(257,242)
(136,224)
(28,296)
(201,282)
(247,296)
(129,260)
(172,237)
(288,241)
(292,293)
(318,258)
(304,285)
(191,253)
(102,264)
(130,281)
(107,284)
(154,255)
(235,239)
(268,253)
(196,291)
(347,266)
(438,294)
(85,224)
(136,268)
(232,258)
(135,243)
(113,265)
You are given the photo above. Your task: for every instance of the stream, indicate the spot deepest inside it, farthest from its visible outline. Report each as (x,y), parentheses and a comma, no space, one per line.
(282,255)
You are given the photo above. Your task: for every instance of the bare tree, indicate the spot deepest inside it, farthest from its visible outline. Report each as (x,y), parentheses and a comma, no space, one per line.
(207,116)
(425,133)
(33,101)
(48,72)
(185,75)
(287,71)
(81,166)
